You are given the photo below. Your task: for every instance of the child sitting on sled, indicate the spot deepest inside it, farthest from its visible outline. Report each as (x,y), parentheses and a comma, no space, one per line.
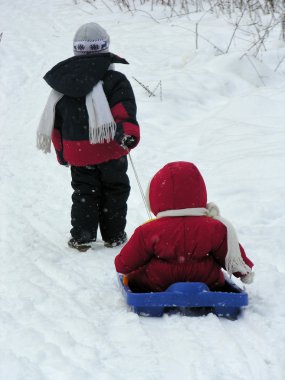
(188,240)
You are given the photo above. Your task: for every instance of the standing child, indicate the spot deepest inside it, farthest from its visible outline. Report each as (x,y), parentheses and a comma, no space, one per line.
(90,116)
(189,240)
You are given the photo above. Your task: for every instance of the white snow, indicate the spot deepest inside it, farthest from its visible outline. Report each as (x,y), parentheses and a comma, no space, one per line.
(62,315)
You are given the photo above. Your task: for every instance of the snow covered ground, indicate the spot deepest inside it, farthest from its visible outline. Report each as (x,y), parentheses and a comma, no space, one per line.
(62,315)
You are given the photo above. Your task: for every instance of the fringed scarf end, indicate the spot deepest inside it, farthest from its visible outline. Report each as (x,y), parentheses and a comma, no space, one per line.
(102,133)
(43,142)
(236,264)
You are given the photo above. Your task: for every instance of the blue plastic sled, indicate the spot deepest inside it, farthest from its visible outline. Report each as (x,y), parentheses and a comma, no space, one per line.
(190,297)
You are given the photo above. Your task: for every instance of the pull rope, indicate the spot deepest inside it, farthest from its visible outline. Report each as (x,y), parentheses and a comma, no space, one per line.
(140,187)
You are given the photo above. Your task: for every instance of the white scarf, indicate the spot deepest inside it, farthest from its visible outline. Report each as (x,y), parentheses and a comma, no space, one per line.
(233,262)
(102,126)
(47,122)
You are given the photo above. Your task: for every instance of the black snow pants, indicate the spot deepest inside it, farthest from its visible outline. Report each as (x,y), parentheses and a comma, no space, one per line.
(99,200)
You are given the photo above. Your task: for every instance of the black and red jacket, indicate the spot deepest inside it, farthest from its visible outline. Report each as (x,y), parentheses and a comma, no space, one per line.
(75,78)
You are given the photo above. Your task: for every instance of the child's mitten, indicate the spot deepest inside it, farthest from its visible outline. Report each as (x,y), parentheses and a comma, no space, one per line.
(248,278)
(128,142)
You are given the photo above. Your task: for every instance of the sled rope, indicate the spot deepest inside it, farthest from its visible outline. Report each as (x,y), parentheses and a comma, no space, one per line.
(140,187)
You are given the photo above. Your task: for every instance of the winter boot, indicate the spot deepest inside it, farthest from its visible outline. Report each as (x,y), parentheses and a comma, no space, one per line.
(80,245)
(121,239)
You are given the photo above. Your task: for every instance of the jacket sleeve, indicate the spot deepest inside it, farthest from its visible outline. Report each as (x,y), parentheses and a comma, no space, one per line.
(133,255)
(123,107)
(57,138)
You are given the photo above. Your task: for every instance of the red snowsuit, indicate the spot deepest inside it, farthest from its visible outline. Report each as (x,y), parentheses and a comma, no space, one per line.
(174,249)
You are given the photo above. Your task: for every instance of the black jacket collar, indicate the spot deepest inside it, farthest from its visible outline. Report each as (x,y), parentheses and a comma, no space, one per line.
(76,76)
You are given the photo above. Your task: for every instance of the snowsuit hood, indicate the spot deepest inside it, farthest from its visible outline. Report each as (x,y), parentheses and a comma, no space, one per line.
(76,76)
(178,185)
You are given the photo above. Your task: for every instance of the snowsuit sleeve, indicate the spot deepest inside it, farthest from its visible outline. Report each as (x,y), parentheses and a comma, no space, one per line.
(133,255)
(245,259)
(123,106)
(220,255)
(57,138)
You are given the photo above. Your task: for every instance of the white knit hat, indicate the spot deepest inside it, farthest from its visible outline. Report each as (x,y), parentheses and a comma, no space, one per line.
(91,38)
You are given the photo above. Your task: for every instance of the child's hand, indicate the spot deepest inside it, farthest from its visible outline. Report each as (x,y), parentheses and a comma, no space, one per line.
(247,278)
(128,142)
